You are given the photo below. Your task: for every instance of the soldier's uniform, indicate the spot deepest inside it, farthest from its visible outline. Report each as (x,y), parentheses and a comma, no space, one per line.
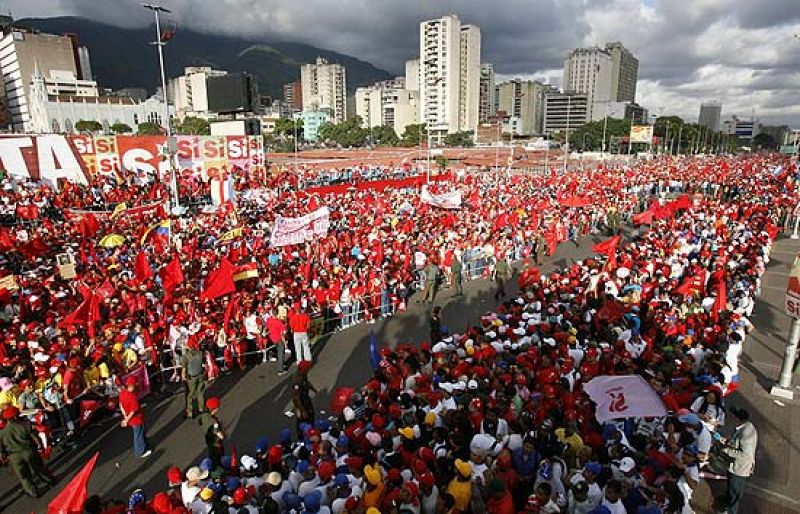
(18,445)
(194,375)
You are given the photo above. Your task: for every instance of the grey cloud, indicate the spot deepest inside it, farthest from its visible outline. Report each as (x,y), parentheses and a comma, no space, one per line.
(675,40)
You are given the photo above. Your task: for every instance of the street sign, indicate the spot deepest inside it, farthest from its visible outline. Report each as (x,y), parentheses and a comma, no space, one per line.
(793,291)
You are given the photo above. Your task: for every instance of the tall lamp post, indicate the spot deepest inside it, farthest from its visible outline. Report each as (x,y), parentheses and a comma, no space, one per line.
(170,144)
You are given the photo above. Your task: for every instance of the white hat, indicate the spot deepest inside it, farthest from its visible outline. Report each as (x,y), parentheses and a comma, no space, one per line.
(627,464)
(249,463)
(273,479)
(349,414)
(472,384)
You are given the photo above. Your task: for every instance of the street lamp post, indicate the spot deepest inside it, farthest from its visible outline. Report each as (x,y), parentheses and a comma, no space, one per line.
(160,45)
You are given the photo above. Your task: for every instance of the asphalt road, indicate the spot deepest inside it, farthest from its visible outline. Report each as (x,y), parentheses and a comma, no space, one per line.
(253,402)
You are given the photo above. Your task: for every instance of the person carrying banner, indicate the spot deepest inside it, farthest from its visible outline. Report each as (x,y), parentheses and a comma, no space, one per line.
(193,375)
(19,448)
(132,416)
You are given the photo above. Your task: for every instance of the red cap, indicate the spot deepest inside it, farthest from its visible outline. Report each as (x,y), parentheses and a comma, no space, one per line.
(393,475)
(352,503)
(131,381)
(10,413)
(212,403)
(304,366)
(162,503)
(355,462)
(275,454)
(74,362)
(174,475)
(240,496)
(326,469)
(426,479)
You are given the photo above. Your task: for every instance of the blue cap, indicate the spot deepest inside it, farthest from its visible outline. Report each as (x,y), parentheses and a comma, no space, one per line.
(546,471)
(343,441)
(262,444)
(302,466)
(304,428)
(648,509)
(691,449)
(689,419)
(226,461)
(291,500)
(312,501)
(323,425)
(341,480)
(593,467)
(600,509)
(206,464)
(233,484)
(137,498)
(285,435)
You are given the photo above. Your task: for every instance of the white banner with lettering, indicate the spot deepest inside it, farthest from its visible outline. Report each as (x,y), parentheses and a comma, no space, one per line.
(290,231)
(449,200)
(624,396)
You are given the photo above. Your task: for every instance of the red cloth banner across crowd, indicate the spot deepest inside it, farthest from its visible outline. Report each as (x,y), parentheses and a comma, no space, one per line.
(54,158)
(374,185)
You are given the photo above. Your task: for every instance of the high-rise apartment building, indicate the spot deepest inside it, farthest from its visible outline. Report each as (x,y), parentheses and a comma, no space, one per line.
(22,52)
(524,100)
(412,74)
(189,92)
(565,112)
(324,88)
(488,103)
(293,95)
(710,114)
(387,103)
(624,72)
(605,75)
(449,75)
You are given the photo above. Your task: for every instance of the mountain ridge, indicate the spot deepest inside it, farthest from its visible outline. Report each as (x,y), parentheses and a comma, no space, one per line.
(123,57)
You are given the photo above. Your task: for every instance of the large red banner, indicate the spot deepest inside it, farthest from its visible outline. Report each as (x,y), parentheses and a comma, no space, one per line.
(54,158)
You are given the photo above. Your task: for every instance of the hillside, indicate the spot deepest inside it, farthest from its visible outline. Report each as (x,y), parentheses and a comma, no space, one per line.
(124,58)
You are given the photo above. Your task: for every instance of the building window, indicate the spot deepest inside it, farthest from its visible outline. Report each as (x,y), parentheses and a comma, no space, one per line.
(54,126)
(68,125)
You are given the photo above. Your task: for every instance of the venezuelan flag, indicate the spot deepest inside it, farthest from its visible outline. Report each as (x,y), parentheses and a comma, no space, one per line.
(160,229)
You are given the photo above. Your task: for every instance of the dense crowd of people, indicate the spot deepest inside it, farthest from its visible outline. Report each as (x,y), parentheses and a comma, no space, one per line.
(491,420)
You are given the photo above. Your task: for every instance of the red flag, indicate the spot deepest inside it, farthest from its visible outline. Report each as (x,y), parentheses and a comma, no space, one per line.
(72,498)
(33,249)
(234,460)
(89,225)
(142,268)
(608,246)
(693,284)
(87,313)
(171,275)
(231,311)
(219,282)
(6,242)
(106,290)
(721,301)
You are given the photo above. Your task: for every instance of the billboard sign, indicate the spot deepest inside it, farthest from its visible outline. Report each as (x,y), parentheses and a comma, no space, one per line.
(641,134)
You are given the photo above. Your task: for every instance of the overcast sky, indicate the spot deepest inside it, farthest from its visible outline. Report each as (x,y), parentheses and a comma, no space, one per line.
(740,52)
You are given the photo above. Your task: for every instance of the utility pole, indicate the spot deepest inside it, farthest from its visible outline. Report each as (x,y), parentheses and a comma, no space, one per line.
(170,145)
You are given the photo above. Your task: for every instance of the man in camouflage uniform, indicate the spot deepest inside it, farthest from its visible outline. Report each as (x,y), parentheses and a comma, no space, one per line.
(19,448)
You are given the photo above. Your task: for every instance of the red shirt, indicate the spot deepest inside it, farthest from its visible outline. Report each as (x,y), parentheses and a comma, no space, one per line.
(128,402)
(299,322)
(73,383)
(275,328)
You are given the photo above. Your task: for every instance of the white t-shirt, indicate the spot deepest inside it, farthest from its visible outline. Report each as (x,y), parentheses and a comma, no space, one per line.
(188,494)
(616,507)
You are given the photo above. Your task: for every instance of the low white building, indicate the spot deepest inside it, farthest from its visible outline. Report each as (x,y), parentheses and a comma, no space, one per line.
(59,113)
(388,103)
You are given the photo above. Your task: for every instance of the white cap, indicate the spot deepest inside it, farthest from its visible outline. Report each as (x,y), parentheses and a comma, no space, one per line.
(472,384)
(627,464)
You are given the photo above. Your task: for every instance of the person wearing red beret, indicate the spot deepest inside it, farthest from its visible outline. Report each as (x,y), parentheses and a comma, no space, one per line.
(212,430)
(18,447)
(132,416)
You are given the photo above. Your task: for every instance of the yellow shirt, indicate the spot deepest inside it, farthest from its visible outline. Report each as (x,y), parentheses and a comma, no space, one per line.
(462,494)
(373,498)
(104,372)
(9,398)
(91,376)
(574,441)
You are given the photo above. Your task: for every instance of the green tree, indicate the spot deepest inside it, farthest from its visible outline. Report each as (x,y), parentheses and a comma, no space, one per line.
(348,133)
(121,128)
(286,126)
(764,141)
(195,126)
(148,128)
(88,126)
(441,161)
(589,137)
(384,136)
(414,134)
(461,139)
